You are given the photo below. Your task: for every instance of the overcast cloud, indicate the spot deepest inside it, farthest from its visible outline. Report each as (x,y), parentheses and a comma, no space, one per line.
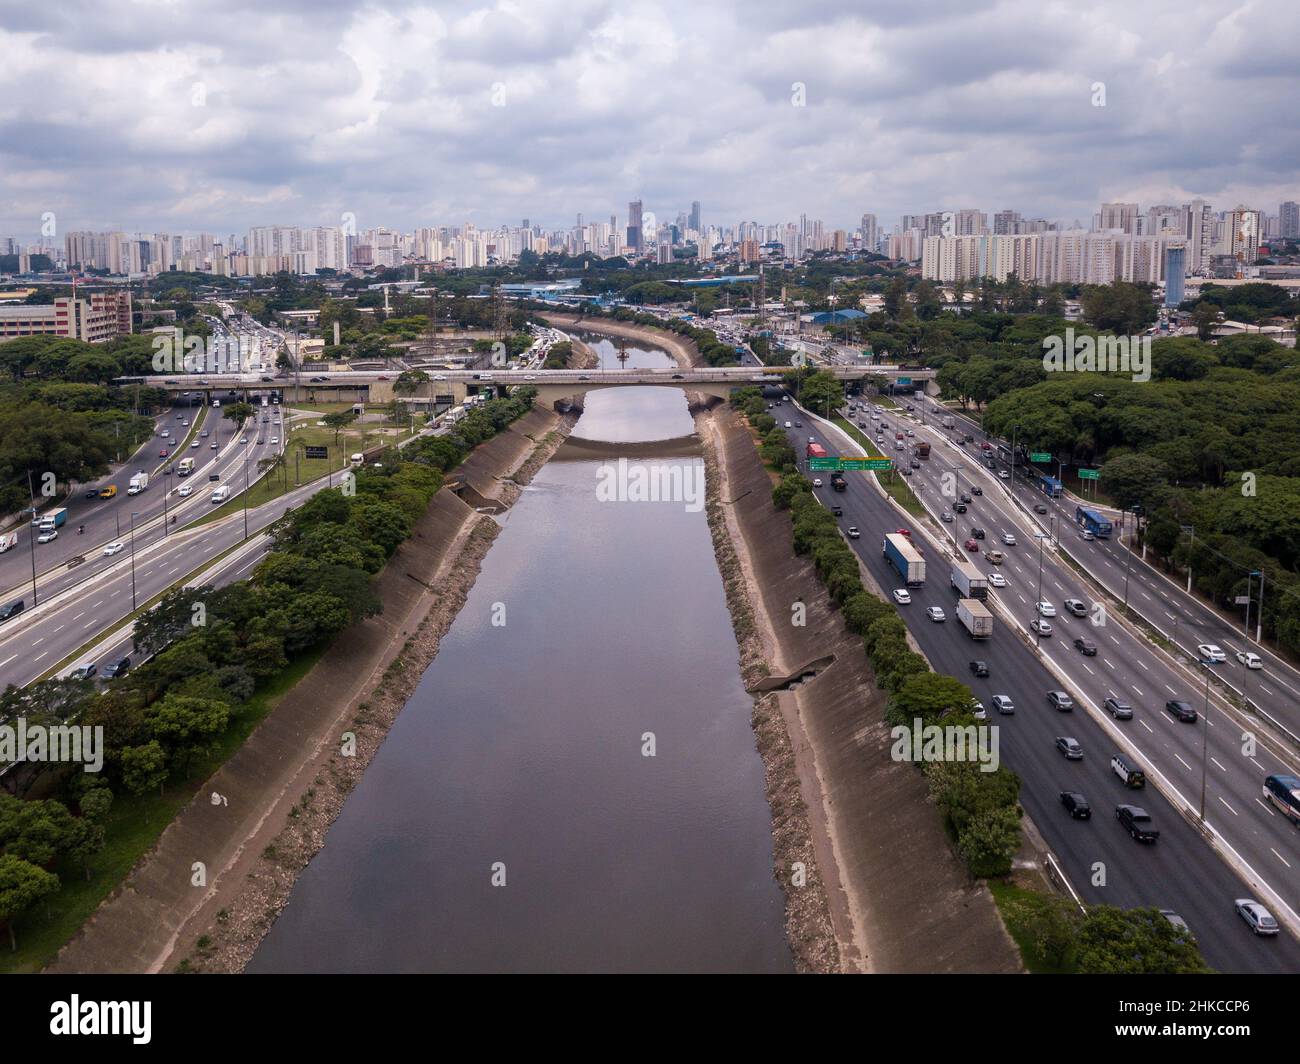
(194,115)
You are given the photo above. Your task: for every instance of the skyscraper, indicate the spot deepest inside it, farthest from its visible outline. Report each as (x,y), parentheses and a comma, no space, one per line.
(1288,216)
(870,233)
(1175,270)
(694,222)
(634,234)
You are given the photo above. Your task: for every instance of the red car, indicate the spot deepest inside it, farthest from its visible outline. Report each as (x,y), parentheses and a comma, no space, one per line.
(903,532)
(973,545)
(162,453)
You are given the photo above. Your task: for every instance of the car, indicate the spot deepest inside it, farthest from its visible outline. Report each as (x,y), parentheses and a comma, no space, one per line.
(1118,708)
(678,377)
(1086,647)
(194,444)
(817,482)
(965,497)
(266,378)
(108,492)
(812,439)
(1040,508)
(902,596)
(997,580)
(204,434)
(1211,653)
(1045,609)
(93,493)
(113,548)
(910,433)
(976,490)
(977,533)
(116,668)
(916,463)
(11,610)
(185,421)
(903,532)
(1137,822)
(946,517)
(972,545)
(1003,704)
(853,532)
(1004,474)
(1008,539)
(1250,659)
(799,425)
(381,377)
(788,425)
(1060,701)
(213,446)
(163,453)
(1076,805)
(995,556)
(959,508)
(979,668)
(185,490)
(243,439)
(1181,710)
(1257,918)
(48,536)
(977,710)
(935,613)
(838,511)
(318,380)
(1069,747)
(83,672)
(1177,922)
(1086,535)
(1076,606)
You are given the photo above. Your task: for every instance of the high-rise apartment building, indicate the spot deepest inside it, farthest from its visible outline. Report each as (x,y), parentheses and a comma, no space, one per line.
(1288,220)
(1122,216)
(1175,272)
(1243,230)
(870,233)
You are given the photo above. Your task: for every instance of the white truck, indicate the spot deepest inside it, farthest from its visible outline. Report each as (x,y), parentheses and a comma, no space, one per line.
(949,422)
(137,484)
(969,581)
(975,618)
(8,541)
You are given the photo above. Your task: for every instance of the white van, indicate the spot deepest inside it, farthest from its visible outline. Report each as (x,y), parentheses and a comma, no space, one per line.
(220,495)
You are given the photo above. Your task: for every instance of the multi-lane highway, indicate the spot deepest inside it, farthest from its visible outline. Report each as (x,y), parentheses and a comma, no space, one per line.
(1181,871)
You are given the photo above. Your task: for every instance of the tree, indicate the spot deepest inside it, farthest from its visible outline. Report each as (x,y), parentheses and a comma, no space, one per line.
(144,767)
(338,421)
(929,696)
(1135,942)
(22,884)
(1207,317)
(1135,480)
(188,727)
(1120,307)
(238,412)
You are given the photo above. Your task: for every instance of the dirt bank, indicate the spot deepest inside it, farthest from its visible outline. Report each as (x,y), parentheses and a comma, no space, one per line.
(683,351)
(286,784)
(884,885)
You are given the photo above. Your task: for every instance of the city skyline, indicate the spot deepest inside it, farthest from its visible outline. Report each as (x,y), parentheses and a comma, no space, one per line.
(179,119)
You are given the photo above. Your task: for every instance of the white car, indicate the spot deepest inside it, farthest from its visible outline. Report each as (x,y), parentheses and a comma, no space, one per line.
(903,597)
(978,711)
(185,490)
(48,535)
(1045,609)
(997,580)
(935,613)
(275,439)
(1086,535)
(1009,538)
(194,444)
(243,439)
(1040,627)
(1211,653)
(817,482)
(853,532)
(1004,474)
(1257,918)
(789,425)
(113,548)
(1250,659)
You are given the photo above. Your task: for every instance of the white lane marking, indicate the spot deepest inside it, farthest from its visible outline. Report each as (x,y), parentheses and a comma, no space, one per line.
(1108,662)
(35,642)
(1227,806)
(1184,763)
(1216,761)
(40,655)
(1266,809)
(60,628)
(1138,690)
(1090,672)
(1170,690)
(8,660)
(1280,857)
(1115,641)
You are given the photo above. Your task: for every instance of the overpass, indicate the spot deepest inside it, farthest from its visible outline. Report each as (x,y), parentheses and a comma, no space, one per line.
(551,384)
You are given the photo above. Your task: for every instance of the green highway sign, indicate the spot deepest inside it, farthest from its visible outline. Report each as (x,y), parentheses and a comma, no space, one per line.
(866,463)
(903,380)
(1040,456)
(1089,474)
(823,464)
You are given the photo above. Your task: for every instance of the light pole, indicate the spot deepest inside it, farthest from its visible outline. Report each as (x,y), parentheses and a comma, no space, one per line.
(31,544)
(1038,637)
(1205,739)
(134,515)
(167,487)
(1191,531)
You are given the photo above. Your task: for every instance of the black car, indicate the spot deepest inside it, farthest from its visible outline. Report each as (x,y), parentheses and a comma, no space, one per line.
(977,490)
(120,667)
(265,378)
(798,424)
(1182,710)
(838,511)
(678,377)
(92,493)
(1086,647)
(979,668)
(959,507)
(1076,805)
(1039,508)
(965,496)
(12,610)
(1136,822)
(1118,708)
(977,533)
(970,439)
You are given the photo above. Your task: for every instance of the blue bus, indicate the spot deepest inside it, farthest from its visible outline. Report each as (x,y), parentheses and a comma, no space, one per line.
(1050,486)
(1092,521)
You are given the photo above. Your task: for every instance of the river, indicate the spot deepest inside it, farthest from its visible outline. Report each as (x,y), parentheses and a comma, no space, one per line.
(511,821)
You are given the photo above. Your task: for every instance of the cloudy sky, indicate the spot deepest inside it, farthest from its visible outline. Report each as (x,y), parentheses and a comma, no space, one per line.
(189,115)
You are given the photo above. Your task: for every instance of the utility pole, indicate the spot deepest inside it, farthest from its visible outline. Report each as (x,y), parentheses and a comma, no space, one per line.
(31,543)
(133,517)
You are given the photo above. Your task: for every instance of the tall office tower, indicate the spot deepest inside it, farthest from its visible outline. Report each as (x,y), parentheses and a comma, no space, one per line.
(1119,216)
(1200,234)
(634,234)
(1175,271)
(1004,222)
(870,233)
(1288,218)
(1243,228)
(694,222)
(970,222)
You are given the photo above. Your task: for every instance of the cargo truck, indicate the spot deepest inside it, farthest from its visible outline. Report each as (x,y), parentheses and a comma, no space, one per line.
(137,484)
(949,422)
(905,558)
(185,467)
(8,541)
(54,519)
(838,482)
(969,581)
(816,450)
(923,450)
(975,618)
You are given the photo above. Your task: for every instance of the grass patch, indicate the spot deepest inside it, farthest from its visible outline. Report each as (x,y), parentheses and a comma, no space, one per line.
(133,827)
(1018,907)
(896,487)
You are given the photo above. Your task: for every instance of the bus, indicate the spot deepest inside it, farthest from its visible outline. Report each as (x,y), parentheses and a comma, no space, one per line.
(1092,521)
(1050,486)
(185,467)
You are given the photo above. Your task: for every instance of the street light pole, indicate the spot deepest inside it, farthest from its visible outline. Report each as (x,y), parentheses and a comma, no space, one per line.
(1205,739)
(133,517)
(31,543)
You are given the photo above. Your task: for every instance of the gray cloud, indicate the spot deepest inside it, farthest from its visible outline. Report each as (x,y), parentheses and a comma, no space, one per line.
(216,116)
